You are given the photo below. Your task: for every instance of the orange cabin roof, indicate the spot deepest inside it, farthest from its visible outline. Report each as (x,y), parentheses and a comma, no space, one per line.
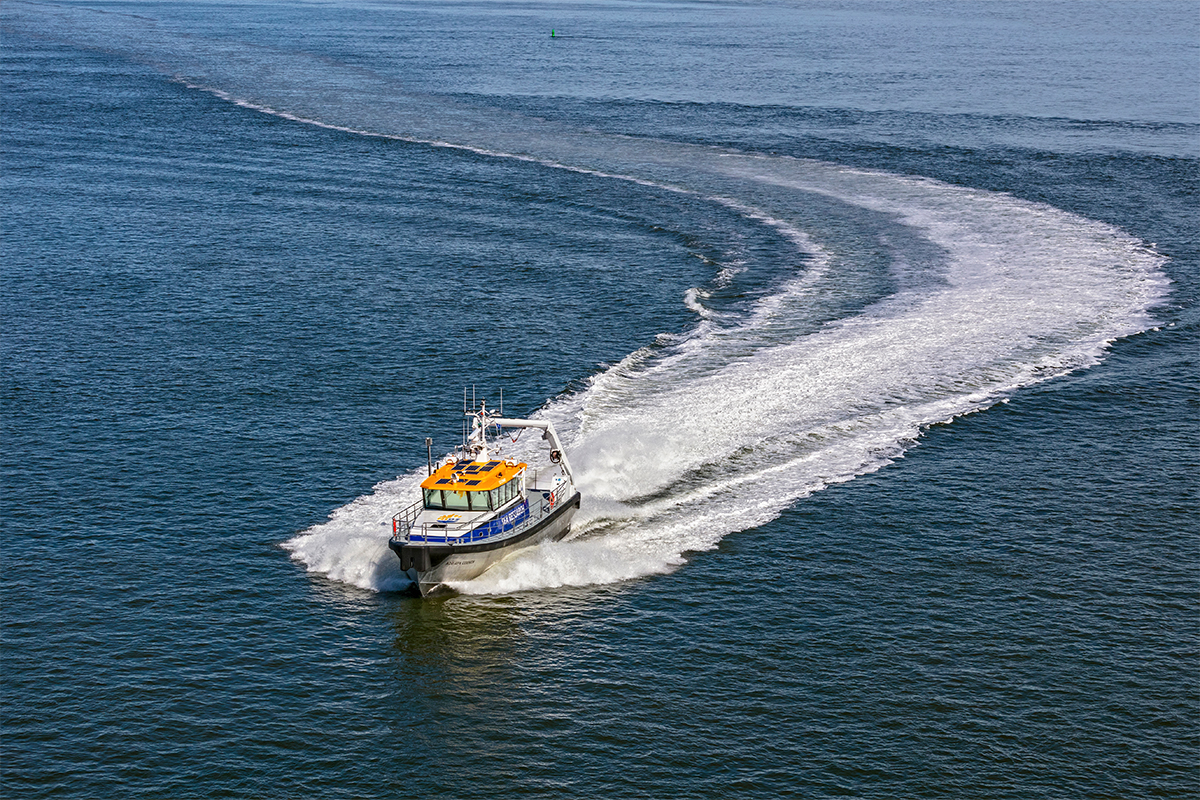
(472,476)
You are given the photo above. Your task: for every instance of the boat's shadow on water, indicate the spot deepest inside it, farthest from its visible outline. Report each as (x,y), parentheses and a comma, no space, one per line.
(460,648)
(465,633)
(451,626)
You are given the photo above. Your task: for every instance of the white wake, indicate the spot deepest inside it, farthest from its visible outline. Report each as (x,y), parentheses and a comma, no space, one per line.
(678,449)
(734,420)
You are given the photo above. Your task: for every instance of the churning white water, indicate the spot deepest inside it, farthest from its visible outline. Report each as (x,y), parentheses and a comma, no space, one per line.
(723,427)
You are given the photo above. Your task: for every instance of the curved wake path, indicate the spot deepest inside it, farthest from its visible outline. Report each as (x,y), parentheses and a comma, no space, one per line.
(724,426)
(729,426)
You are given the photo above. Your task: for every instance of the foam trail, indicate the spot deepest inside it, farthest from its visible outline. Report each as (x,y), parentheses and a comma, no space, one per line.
(677,449)
(720,427)
(1031,292)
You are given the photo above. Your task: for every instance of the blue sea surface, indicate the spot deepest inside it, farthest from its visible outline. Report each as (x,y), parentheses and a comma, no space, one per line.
(872,330)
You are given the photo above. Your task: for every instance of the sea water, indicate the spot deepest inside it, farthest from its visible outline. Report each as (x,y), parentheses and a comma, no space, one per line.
(871,329)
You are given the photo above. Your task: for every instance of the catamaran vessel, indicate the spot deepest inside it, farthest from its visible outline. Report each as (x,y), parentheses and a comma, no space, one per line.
(477,507)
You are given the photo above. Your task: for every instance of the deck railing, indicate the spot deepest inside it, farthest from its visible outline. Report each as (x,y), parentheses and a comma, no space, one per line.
(541,503)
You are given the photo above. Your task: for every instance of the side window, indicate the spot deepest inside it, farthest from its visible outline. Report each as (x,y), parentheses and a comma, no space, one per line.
(433,498)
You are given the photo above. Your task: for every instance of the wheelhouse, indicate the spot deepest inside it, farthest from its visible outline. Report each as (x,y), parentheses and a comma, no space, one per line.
(473,485)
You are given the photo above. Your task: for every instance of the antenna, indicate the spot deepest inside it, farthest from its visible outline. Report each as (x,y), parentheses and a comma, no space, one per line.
(502,401)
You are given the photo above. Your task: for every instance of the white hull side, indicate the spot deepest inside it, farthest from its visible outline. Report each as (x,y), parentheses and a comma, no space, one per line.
(467,566)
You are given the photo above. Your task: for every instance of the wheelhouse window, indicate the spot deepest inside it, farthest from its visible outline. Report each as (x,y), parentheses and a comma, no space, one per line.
(454,501)
(476,500)
(451,500)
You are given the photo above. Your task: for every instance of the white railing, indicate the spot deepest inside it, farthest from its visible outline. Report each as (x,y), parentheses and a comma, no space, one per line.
(541,503)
